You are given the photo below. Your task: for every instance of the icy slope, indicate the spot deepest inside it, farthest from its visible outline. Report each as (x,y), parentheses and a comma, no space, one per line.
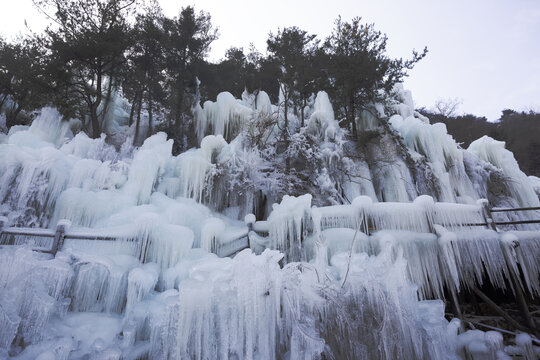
(157,292)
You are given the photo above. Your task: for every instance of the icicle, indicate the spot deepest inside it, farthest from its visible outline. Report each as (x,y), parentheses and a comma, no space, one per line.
(141,281)
(478,256)
(527,255)
(9,320)
(148,163)
(494,152)
(288,223)
(398,216)
(338,216)
(387,299)
(31,284)
(322,120)
(224,117)
(457,216)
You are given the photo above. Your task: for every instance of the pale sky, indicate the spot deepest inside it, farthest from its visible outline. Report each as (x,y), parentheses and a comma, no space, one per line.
(484,52)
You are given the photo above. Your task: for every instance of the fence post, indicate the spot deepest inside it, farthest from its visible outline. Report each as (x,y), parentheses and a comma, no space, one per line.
(3,223)
(250,220)
(364,226)
(59,236)
(487,214)
(429,221)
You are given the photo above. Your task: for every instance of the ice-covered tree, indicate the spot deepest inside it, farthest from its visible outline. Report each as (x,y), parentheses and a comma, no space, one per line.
(359,67)
(187,41)
(87,43)
(293,50)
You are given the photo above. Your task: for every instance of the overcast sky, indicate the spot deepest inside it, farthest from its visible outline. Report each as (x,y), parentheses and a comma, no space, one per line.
(484,52)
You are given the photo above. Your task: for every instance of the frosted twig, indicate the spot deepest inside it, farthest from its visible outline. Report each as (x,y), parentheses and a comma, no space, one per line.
(350,253)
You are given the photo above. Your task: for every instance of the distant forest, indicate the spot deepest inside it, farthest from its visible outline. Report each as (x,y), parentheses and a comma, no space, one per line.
(520,131)
(94,49)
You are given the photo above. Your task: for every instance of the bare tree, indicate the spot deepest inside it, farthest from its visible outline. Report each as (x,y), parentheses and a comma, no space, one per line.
(447,107)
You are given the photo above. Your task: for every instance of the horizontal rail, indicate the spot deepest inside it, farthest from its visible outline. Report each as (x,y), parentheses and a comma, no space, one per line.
(515,209)
(27,232)
(227,248)
(474,224)
(517,222)
(90,237)
(243,243)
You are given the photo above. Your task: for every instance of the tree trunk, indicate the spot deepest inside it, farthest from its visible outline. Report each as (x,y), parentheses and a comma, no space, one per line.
(2,101)
(353,116)
(132,111)
(138,121)
(96,131)
(96,128)
(178,115)
(286,134)
(108,98)
(302,110)
(149,132)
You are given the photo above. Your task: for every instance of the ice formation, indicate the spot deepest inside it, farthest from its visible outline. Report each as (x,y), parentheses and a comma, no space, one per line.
(322,119)
(442,153)
(288,223)
(139,273)
(224,117)
(494,152)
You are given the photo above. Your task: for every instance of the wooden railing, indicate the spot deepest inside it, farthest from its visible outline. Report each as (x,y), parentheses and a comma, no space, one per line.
(226,247)
(492,223)
(57,235)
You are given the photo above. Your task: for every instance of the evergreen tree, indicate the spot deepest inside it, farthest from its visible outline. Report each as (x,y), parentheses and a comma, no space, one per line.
(293,51)
(187,42)
(24,80)
(358,66)
(146,60)
(87,44)
(289,49)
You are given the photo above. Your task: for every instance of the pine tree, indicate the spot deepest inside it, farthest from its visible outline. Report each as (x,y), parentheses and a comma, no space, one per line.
(358,66)
(87,43)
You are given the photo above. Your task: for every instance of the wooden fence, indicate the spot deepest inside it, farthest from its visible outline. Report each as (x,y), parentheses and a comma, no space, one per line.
(229,246)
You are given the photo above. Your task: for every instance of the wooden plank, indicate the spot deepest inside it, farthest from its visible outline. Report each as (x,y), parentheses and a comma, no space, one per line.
(3,223)
(514,209)
(233,247)
(58,242)
(28,232)
(475,224)
(517,222)
(89,237)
